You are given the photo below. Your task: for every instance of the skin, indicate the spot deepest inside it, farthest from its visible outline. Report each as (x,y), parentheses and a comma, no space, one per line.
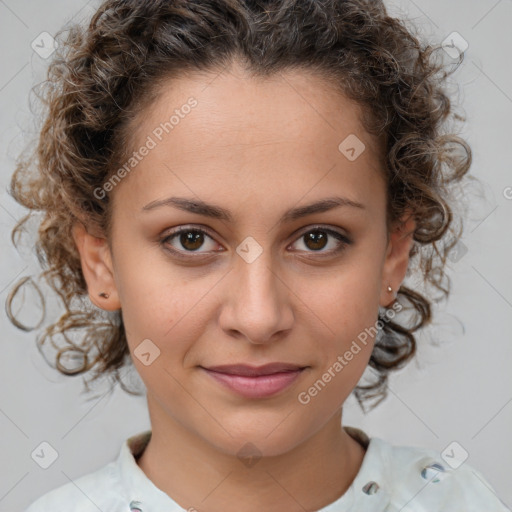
(258,148)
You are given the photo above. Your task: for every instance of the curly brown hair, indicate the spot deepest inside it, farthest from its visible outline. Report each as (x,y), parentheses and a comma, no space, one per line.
(104,74)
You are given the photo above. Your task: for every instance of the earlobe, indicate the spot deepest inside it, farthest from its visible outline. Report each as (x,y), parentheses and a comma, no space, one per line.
(97,268)
(397,259)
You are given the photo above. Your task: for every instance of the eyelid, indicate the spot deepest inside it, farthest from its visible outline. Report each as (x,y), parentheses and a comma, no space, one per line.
(184,229)
(343,241)
(342,238)
(322,227)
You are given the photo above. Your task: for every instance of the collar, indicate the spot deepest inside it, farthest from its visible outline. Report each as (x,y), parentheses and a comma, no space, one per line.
(369,490)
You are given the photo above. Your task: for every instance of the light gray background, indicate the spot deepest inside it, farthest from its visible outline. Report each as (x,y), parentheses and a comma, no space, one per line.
(460,390)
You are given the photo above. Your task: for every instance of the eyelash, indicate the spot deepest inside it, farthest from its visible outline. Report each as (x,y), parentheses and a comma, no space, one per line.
(343,241)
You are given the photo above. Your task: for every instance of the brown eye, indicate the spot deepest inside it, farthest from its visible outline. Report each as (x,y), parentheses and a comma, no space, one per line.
(318,238)
(185,241)
(191,240)
(188,240)
(315,240)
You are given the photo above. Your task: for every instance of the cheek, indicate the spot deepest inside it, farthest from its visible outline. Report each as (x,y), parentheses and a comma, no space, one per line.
(341,303)
(148,288)
(165,304)
(342,309)
(150,296)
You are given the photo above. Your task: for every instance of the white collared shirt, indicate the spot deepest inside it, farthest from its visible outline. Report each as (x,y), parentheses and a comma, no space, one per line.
(390,479)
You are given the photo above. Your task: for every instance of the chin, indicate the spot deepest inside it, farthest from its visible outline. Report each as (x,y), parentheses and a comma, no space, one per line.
(270,437)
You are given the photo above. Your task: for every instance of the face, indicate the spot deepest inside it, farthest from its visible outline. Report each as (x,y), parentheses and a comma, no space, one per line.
(246,282)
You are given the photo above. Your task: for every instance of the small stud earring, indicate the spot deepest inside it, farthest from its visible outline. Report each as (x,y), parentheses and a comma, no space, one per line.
(104,295)
(390,289)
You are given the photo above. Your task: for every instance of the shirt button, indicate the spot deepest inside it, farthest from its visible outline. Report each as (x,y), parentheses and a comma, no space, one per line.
(135,506)
(371,487)
(433,472)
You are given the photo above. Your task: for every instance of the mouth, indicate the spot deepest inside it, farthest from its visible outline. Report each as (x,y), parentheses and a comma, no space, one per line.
(256,381)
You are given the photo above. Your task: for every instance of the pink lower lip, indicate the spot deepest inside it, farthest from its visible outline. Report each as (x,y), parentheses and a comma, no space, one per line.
(256,387)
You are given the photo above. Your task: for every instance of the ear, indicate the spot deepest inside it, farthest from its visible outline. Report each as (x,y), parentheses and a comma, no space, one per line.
(97,268)
(397,258)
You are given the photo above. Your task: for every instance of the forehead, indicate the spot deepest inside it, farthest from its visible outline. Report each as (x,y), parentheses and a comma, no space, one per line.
(280,133)
(236,104)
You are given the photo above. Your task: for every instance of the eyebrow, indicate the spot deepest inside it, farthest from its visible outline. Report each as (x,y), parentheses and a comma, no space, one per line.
(216,212)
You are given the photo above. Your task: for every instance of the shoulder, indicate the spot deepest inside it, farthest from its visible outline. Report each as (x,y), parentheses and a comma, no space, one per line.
(108,488)
(99,490)
(420,479)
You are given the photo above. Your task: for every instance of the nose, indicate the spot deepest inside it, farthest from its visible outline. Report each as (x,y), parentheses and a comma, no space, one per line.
(257,301)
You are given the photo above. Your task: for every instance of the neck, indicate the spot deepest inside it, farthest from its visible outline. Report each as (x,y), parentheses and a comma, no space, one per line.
(197,475)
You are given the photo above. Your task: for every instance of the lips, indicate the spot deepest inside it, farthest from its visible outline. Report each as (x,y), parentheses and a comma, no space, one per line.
(255,382)
(255,371)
